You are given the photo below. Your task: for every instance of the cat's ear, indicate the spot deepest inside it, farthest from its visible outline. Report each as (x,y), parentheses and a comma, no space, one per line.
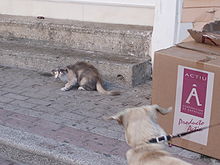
(53,71)
(64,70)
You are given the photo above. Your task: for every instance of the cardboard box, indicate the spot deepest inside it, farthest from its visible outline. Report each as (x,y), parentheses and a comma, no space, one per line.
(187,77)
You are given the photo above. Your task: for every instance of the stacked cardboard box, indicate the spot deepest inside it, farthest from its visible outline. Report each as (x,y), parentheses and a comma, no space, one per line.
(187,77)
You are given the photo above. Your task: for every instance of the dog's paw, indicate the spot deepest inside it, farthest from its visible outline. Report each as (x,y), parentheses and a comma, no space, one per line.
(81,89)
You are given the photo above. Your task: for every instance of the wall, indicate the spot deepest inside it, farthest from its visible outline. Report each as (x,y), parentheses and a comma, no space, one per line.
(166,24)
(139,12)
(200,12)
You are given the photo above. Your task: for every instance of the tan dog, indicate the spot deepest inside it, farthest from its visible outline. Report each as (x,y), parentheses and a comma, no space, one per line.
(140,126)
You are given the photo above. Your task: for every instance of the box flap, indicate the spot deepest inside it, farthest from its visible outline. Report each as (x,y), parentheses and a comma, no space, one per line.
(205,37)
(208,49)
(213,27)
(210,34)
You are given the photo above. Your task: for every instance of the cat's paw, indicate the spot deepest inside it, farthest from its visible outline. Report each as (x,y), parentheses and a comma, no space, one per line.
(81,89)
(63,89)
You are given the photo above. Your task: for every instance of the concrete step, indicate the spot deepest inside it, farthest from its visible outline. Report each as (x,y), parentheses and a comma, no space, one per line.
(32,149)
(44,56)
(118,39)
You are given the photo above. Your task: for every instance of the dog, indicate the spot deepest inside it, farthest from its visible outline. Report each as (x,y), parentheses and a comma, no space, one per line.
(140,126)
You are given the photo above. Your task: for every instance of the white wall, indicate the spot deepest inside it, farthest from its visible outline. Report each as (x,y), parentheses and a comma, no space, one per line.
(138,12)
(137,3)
(168,29)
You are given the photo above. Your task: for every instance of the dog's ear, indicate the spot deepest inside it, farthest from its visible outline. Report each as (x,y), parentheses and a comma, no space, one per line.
(152,109)
(158,109)
(116,117)
(163,111)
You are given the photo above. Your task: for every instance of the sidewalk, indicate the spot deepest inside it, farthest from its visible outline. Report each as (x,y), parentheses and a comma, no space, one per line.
(4,161)
(54,126)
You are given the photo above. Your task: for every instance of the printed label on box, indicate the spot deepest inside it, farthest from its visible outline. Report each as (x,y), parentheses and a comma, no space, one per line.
(194,92)
(193,103)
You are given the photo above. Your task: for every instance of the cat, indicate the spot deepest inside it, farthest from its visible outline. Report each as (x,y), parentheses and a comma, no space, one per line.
(82,75)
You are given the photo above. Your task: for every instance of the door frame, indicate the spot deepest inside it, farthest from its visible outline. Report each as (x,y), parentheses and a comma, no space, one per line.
(168,29)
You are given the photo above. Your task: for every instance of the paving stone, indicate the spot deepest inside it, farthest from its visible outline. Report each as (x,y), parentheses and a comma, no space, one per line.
(82,126)
(73,117)
(22,103)
(4,99)
(4,161)
(16,96)
(4,114)
(22,111)
(107,133)
(45,109)
(96,122)
(38,101)
(2,92)
(89,113)
(23,117)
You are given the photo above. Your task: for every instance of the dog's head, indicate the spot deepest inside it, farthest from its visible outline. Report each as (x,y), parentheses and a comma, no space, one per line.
(140,123)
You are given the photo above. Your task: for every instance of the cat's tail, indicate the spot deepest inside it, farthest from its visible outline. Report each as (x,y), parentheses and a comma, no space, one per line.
(102,90)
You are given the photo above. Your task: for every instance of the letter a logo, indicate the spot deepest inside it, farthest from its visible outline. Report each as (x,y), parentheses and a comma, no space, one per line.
(193,93)
(193,97)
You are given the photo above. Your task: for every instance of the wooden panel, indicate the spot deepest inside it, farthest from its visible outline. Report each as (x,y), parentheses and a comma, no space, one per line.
(201,3)
(200,14)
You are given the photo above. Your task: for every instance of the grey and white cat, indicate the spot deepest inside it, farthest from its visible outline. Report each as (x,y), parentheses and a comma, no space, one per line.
(82,75)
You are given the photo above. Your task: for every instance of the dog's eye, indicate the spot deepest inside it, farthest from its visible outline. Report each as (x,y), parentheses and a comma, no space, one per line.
(120,120)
